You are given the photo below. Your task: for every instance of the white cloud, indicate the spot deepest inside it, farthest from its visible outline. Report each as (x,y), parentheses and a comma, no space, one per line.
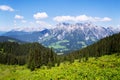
(80,18)
(63,18)
(41,15)
(43,24)
(106,19)
(23,21)
(19,17)
(6,8)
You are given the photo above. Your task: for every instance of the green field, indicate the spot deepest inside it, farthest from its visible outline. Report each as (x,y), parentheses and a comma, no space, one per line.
(103,68)
(58,46)
(83,43)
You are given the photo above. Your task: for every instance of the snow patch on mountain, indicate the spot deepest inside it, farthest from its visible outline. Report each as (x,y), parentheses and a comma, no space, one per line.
(46,35)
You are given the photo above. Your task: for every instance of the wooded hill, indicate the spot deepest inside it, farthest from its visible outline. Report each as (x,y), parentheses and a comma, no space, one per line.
(32,54)
(106,46)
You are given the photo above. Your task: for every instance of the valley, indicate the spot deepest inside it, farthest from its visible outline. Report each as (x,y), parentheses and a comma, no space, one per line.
(65,37)
(32,61)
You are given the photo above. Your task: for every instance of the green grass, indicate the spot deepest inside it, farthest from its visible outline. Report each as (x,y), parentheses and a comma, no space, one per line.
(83,43)
(103,68)
(58,46)
(10,40)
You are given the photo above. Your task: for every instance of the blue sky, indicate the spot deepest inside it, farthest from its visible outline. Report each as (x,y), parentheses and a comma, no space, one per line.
(47,13)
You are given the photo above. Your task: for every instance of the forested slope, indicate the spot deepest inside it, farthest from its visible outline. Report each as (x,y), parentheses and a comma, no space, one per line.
(105,46)
(33,54)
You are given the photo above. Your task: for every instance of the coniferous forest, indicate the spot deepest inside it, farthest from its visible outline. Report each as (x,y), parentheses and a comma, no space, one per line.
(32,54)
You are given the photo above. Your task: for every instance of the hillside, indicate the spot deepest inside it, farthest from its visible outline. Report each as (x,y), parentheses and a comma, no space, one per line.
(103,68)
(9,39)
(105,46)
(33,54)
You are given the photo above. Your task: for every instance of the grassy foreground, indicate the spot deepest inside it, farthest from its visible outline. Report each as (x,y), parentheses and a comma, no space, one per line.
(103,68)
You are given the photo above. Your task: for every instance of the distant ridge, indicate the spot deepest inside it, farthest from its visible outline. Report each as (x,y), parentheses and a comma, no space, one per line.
(9,39)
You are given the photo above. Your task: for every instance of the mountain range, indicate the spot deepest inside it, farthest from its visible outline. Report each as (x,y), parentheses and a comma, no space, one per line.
(65,37)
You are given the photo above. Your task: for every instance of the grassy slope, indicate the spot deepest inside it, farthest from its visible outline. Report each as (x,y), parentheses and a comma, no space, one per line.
(104,68)
(57,44)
